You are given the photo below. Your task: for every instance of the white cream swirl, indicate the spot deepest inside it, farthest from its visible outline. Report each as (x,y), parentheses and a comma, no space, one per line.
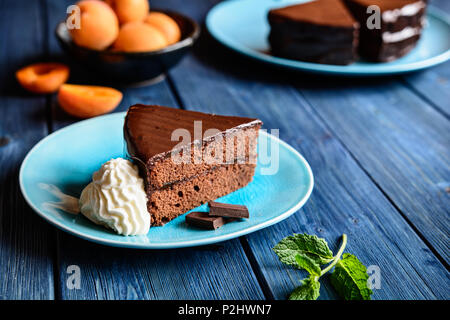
(116,198)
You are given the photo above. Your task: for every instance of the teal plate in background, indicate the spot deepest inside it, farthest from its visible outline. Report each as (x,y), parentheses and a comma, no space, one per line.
(66,159)
(242,26)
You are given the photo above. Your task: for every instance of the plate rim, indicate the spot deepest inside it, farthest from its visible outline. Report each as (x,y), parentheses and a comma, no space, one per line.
(329,69)
(149,245)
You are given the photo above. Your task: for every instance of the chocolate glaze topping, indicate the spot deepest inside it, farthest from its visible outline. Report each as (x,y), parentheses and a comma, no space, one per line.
(148,129)
(321,12)
(388,5)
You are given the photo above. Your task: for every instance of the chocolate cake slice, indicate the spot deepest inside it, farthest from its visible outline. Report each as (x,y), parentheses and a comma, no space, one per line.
(188,158)
(401,23)
(321,31)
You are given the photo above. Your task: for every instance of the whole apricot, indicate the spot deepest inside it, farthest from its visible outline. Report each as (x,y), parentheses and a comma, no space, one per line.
(166,25)
(88,101)
(139,37)
(99,25)
(130,10)
(44,77)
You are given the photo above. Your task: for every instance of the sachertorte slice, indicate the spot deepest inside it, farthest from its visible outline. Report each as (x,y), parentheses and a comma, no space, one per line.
(401,23)
(321,31)
(188,158)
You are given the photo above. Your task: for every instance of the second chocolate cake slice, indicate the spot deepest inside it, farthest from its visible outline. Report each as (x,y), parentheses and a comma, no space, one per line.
(321,31)
(188,158)
(401,23)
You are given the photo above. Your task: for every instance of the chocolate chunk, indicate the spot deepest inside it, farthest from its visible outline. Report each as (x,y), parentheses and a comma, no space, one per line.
(217,209)
(203,220)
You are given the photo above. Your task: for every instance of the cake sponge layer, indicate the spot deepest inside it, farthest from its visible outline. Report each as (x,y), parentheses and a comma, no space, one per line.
(240,145)
(171,201)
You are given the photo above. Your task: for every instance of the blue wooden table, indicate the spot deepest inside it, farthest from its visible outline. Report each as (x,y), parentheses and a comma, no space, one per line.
(379,150)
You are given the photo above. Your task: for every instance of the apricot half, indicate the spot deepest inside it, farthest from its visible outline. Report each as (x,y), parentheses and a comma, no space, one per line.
(88,101)
(139,37)
(99,25)
(44,77)
(130,10)
(166,25)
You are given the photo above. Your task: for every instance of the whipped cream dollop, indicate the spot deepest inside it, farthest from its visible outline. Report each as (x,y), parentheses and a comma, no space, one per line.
(116,198)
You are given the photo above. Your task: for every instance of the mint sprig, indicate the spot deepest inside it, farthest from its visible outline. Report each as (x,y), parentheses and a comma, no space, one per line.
(309,252)
(308,290)
(305,245)
(305,262)
(350,279)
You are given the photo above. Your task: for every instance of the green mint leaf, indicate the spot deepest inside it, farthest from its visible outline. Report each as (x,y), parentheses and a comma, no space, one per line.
(305,262)
(308,290)
(303,244)
(350,279)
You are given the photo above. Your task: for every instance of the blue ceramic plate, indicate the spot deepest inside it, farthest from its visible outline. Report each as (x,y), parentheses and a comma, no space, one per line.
(65,160)
(242,26)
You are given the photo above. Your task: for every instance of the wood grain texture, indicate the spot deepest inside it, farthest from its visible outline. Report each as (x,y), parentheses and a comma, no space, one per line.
(441,4)
(434,84)
(114,273)
(344,199)
(209,272)
(400,141)
(26,241)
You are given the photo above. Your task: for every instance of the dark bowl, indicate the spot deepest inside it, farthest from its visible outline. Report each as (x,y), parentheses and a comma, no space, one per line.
(132,67)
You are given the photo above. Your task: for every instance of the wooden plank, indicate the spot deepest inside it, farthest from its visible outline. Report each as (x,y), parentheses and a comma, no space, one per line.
(400,141)
(434,84)
(441,4)
(210,272)
(344,199)
(26,241)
